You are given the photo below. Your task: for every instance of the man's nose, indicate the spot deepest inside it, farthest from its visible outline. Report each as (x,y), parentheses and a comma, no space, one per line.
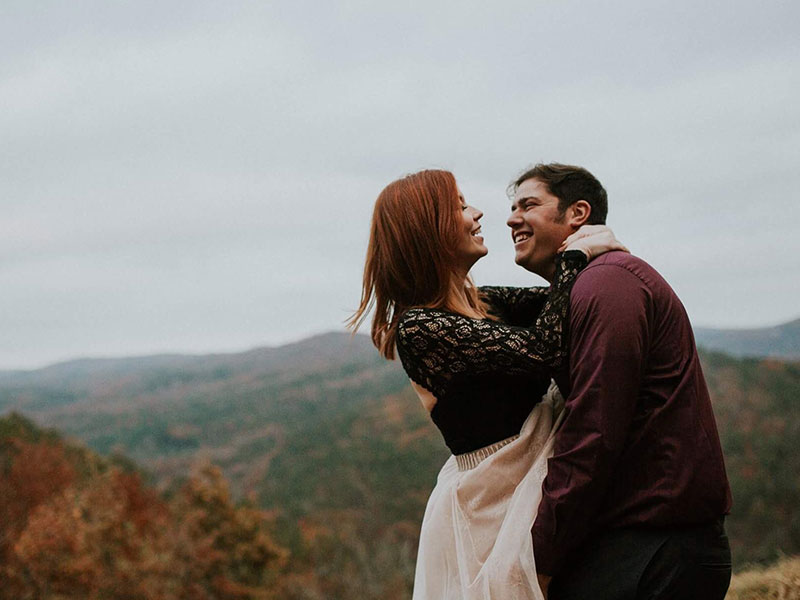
(514,219)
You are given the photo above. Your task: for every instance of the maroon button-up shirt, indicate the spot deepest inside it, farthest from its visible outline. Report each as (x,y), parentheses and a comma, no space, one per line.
(639,445)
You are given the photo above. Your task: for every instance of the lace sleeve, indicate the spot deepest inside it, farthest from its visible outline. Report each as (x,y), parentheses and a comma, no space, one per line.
(435,345)
(515,305)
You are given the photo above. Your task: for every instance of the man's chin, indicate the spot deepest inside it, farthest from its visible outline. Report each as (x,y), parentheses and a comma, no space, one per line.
(537,267)
(524,261)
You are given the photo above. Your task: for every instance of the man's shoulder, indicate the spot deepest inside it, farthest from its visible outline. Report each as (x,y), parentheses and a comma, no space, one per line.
(616,258)
(613,266)
(615,273)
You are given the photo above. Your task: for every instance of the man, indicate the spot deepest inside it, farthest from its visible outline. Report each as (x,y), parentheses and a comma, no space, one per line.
(635,494)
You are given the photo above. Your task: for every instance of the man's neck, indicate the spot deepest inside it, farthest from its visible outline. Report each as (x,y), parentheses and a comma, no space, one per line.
(549,274)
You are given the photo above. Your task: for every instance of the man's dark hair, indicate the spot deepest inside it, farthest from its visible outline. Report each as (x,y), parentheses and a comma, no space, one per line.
(569,184)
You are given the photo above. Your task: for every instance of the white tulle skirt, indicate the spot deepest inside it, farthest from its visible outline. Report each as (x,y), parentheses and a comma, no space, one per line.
(475,542)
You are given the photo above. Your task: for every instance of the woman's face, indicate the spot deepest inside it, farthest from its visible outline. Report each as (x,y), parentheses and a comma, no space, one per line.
(471,246)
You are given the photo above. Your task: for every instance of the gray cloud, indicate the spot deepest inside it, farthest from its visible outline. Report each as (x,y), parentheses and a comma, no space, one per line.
(193,177)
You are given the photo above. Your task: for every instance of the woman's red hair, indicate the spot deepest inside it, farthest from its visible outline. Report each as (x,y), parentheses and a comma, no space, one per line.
(411,257)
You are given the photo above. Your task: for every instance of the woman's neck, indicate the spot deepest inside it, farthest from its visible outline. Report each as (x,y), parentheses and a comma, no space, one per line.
(458,298)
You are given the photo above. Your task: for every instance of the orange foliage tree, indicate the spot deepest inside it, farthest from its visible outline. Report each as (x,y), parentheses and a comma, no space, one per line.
(224,550)
(106,535)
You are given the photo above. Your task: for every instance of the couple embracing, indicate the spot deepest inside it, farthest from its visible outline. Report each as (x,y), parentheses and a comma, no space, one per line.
(585,461)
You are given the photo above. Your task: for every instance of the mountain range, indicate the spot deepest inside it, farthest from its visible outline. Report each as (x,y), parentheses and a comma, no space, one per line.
(781,341)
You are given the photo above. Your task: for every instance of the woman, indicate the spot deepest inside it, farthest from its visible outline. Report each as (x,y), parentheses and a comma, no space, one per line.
(486,384)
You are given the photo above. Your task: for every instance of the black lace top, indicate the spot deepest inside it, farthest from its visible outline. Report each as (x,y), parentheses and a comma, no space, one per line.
(487,375)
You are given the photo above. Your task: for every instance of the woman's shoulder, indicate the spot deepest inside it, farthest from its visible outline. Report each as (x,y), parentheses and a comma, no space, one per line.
(423,329)
(419,314)
(418,320)
(421,319)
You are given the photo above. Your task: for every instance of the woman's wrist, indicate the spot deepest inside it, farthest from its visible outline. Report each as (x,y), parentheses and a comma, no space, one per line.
(574,259)
(576,254)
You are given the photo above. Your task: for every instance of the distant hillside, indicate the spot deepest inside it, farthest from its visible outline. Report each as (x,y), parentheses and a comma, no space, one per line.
(331,437)
(782,341)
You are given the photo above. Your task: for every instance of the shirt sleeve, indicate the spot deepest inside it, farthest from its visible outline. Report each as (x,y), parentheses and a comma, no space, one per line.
(435,345)
(515,305)
(610,334)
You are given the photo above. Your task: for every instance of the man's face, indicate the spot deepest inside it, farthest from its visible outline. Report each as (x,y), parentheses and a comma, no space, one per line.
(537,228)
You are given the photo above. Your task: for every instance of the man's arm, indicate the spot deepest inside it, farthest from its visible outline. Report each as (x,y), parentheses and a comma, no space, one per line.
(609,340)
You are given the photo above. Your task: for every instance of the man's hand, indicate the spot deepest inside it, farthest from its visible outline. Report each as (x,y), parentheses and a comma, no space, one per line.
(544,583)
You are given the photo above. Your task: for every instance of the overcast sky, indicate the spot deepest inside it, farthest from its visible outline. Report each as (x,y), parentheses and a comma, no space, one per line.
(199,176)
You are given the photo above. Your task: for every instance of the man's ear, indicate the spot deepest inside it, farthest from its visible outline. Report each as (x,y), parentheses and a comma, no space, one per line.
(578,213)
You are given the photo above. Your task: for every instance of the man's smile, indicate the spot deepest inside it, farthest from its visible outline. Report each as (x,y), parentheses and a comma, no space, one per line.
(521,236)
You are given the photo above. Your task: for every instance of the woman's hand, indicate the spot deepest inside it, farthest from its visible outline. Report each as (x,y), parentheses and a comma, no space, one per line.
(593,240)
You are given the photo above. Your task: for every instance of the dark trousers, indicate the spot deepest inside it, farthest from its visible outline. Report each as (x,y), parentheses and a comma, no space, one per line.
(649,564)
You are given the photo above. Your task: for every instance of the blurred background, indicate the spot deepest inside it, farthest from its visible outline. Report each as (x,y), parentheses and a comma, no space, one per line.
(185,194)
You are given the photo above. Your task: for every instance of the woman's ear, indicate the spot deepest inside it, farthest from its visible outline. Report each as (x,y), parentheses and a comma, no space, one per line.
(578,213)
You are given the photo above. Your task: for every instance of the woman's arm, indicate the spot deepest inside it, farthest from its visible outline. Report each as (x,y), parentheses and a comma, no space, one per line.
(435,345)
(520,306)
(514,305)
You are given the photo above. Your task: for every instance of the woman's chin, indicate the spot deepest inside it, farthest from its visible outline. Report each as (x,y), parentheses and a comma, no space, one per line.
(465,265)
(482,252)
